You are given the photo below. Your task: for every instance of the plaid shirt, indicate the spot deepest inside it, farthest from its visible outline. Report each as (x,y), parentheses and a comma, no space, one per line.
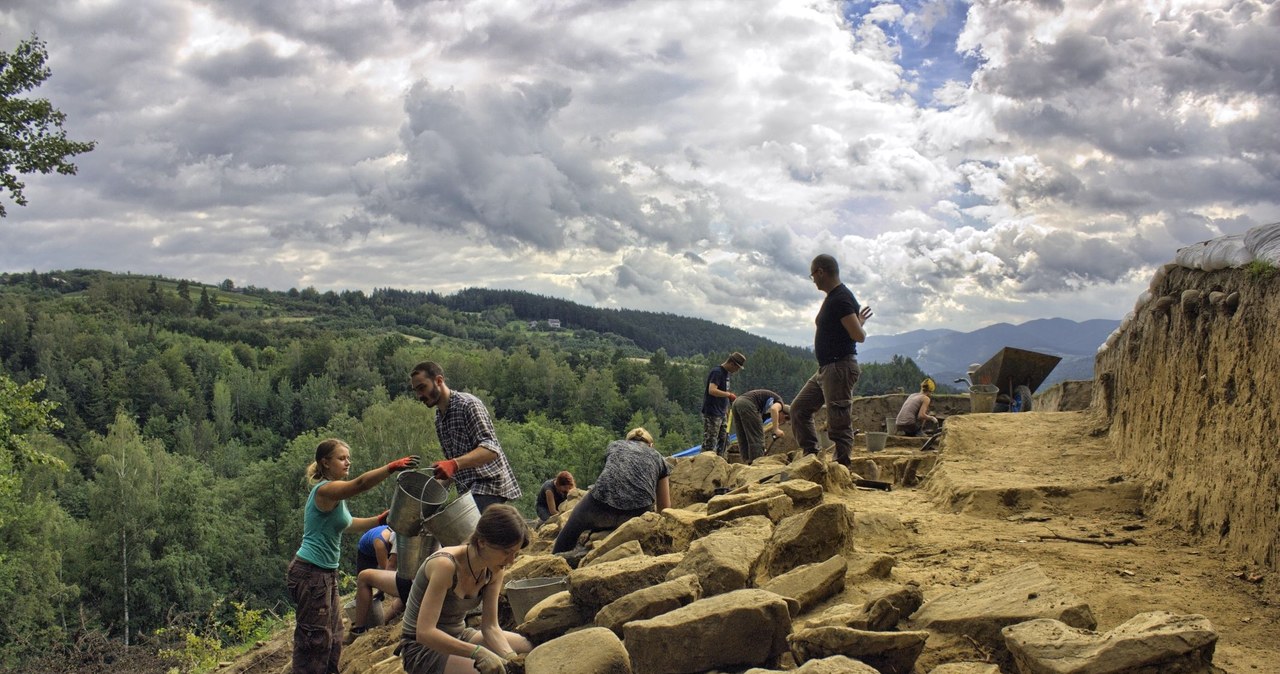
(464,427)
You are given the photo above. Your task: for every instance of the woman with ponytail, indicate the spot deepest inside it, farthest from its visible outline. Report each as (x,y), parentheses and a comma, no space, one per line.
(312,577)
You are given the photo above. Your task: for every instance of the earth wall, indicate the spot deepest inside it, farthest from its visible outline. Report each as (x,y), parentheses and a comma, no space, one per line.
(1189,383)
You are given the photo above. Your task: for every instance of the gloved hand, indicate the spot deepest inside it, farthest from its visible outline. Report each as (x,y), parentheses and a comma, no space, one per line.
(732,397)
(488,662)
(403,464)
(382,519)
(511,657)
(444,470)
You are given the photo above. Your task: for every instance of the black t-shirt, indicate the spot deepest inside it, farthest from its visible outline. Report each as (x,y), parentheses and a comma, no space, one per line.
(762,398)
(831,341)
(715,406)
(548,486)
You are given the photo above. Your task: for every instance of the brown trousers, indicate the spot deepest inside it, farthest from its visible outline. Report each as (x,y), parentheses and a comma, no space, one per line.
(833,384)
(317,637)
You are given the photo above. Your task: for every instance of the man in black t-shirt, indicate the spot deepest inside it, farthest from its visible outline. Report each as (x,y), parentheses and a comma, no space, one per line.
(715,404)
(839,327)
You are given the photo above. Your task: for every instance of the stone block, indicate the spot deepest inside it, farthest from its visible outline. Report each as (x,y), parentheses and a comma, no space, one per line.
(836,664)
(811,584)
(887,652)
(595,650)
(774,508)
(551,618)
(966,668)
(727,501)
(649,602)
(811,536)
(744,628)
(803,493)
(537,566)
(595,586)
(726,560)
(1147,643)
(696,479)
(628,549)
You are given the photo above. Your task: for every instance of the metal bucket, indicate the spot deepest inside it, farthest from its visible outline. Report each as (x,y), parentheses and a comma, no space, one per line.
(875,441)
(411,551)
(525,594)
(982,398)
(418,496)
(453,524)
(374,618)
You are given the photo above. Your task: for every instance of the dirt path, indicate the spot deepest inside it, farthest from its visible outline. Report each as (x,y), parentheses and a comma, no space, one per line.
(1004,481)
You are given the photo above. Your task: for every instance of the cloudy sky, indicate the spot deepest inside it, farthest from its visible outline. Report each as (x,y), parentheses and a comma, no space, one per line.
(966,162)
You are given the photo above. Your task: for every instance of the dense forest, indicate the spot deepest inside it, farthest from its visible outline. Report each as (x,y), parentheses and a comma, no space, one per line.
(154,432)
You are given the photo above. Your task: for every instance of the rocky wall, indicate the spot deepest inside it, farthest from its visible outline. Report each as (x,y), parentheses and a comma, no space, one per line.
(1190,384)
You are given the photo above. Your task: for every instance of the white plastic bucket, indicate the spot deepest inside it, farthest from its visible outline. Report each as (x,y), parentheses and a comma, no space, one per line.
(875,441)
(982,398)
(525,594)
(891,425)
(453,524)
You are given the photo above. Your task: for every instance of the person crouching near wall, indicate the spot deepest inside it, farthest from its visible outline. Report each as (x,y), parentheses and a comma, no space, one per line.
(451,582)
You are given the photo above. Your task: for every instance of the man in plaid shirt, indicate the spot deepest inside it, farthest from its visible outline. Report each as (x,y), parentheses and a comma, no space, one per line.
(472,454)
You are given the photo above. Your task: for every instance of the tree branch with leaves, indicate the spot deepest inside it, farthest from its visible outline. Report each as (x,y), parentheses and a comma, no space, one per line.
(32,139)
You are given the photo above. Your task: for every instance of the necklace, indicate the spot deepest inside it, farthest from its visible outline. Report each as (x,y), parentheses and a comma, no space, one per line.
(475,576)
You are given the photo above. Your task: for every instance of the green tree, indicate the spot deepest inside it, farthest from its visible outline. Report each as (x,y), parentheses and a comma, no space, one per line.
(32,139)
(206,308)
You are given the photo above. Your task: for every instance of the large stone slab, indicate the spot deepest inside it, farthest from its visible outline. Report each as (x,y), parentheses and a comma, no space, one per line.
(774,509)
(744,628)
(966,668)
(811,584)
(593,587)
(650,602)
(836,664)
(551,618)
(803,493)
(811,536)
(887,652)
(1148,643)
(879,613)
(595,650)
(628,549)
(1021,594)
(696,479)
(726,560)
(728,501)
(537,566)
(657,534)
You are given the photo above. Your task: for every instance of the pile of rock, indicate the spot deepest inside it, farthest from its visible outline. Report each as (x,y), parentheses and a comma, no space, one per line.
(730,581)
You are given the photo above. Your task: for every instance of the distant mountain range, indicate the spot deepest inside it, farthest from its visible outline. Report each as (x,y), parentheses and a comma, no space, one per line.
(947,354)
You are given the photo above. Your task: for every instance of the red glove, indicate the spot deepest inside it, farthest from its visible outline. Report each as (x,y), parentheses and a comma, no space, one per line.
(382,519)
(732,397)
(403,464)
(445,469)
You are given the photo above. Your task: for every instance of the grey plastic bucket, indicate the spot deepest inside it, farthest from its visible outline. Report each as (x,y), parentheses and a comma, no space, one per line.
(525,594)
(411,551)
(982,398)
(418,496)
(875,441)
(453,524)
(891,425)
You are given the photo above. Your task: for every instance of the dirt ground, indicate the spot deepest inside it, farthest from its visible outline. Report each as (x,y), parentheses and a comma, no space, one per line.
(1002,484)
(1004,481)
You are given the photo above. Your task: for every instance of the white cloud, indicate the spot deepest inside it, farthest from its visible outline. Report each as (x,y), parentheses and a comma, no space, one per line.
(673,156)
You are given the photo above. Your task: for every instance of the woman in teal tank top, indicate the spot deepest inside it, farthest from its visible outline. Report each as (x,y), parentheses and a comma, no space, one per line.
(312,577)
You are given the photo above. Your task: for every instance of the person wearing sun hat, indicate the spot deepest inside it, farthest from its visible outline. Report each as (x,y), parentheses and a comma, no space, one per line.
(915,410)
(715,404)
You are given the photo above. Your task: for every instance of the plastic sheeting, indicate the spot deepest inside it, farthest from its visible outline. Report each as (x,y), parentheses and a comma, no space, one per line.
(1263,242)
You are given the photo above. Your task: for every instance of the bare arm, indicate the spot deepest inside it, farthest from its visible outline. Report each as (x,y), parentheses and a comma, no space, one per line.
(663,493)
(381,550)
(477,457)
(775,411)
(924,411)
(715,392)
(494,637)
(328,495)
(853,324)
(551,502)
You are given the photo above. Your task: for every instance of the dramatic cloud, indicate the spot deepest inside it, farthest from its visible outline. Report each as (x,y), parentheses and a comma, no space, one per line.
(966,162)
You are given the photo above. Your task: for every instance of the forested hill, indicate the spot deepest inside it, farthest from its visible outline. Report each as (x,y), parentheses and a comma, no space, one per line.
(678,335)
(154,433)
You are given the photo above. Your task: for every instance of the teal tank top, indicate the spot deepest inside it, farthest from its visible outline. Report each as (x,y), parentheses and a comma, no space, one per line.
(322,532)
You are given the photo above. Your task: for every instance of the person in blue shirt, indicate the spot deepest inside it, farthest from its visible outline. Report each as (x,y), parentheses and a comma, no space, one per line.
(374,548)
(312,577)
